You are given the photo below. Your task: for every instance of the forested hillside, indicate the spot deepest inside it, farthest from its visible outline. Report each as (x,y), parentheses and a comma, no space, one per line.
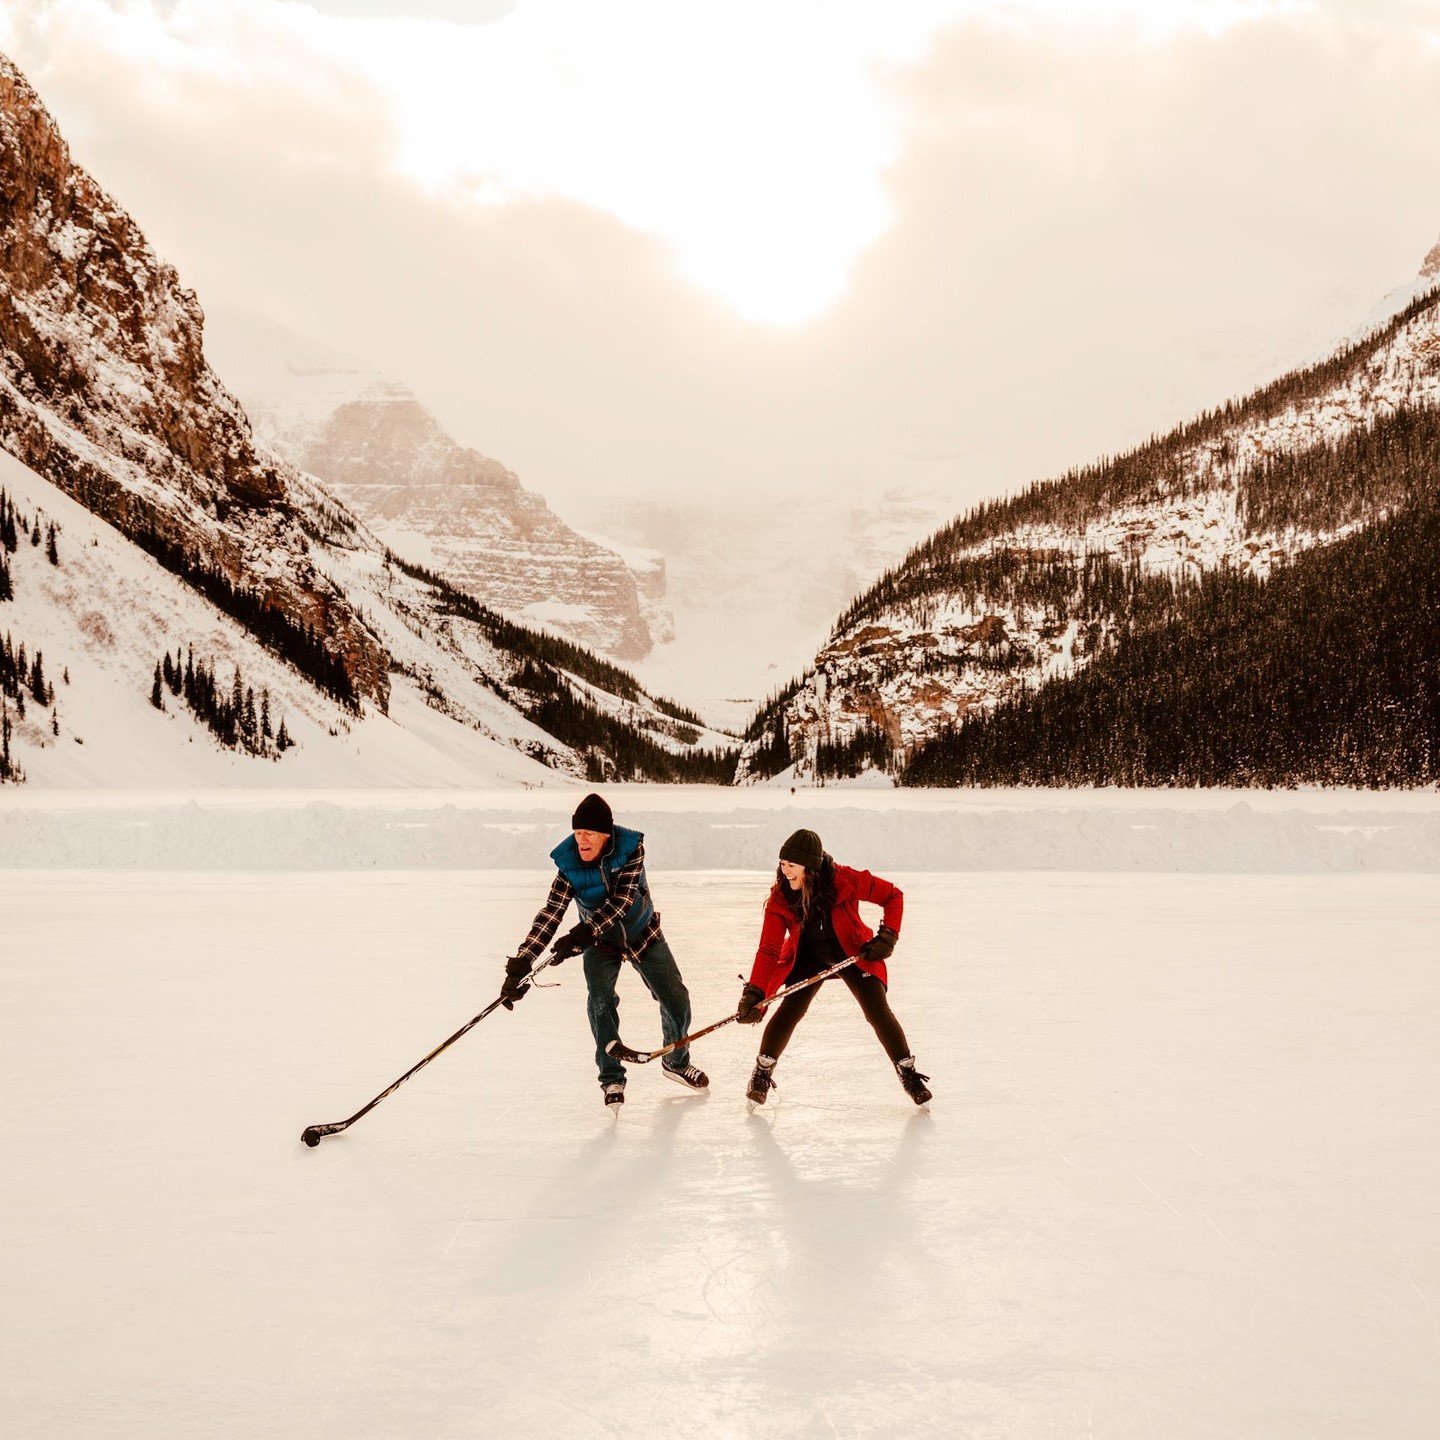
(1171,543)
(1328,673)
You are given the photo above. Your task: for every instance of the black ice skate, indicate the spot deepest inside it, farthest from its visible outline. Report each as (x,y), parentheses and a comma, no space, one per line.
(614,1092)
(691,1077)
(913,1080)
(762,1080)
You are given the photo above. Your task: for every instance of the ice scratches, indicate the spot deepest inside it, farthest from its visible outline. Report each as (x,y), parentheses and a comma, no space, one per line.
(1142,1181)
(1424,1300)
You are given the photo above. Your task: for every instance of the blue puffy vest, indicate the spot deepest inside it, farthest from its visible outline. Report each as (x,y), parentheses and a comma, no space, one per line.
(593,883)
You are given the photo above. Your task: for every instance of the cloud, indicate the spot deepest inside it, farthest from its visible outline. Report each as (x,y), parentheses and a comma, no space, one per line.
(748,138)
(752,140)
(1050,234)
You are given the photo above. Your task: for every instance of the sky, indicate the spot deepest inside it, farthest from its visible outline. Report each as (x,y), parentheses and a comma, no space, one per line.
(773,257)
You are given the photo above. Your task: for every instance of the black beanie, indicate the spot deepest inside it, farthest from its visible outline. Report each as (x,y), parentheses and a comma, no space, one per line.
(593,814)
(804,848)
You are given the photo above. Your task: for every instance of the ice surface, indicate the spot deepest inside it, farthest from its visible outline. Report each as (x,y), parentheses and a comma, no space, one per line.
(1180,1178)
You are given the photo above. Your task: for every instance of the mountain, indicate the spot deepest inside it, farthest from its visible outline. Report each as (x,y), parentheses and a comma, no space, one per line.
(753,589)
(984,617)
(140,519)
(374,446)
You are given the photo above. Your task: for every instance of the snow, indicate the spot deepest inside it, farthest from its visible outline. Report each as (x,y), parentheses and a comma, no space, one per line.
(109,612)
(1179,1178)
(719,828)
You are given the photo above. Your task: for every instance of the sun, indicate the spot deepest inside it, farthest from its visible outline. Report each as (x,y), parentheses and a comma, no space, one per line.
(754,153)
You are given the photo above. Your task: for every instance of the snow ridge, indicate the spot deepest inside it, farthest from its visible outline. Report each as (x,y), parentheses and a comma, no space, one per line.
(909,668)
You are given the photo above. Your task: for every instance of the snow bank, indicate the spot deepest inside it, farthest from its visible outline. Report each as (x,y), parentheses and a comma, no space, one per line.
(692,828)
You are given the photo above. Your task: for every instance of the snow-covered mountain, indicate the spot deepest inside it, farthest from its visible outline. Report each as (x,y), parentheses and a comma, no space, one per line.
(372,444)
(175,530)
(1022,591)
(754,588)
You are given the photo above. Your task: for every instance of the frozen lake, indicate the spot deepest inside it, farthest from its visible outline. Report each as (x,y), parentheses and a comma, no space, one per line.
(1181,1177)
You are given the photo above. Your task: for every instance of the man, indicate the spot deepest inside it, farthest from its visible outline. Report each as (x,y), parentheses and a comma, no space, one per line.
(601,866)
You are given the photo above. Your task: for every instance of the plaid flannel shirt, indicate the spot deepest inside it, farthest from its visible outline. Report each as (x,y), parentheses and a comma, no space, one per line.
(611,911)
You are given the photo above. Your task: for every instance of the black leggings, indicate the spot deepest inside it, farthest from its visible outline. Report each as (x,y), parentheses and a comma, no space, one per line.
(874,1005)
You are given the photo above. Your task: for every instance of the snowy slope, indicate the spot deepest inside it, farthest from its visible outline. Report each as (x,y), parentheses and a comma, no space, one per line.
(704,827)
(108,613)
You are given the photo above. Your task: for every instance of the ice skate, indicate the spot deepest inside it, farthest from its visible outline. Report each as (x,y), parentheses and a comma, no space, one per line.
(690,1076)
(762,1080)
(913,1080)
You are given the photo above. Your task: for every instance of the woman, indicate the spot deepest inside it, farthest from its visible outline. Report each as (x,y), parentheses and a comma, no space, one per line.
(812,921)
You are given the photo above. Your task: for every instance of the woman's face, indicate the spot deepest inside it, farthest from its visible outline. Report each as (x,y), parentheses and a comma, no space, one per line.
(794,874)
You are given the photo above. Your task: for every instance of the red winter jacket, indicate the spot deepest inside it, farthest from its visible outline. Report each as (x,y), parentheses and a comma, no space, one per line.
(780,932)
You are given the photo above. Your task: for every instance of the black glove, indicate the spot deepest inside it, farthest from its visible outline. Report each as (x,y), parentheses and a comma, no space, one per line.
(517,981)
(572,942)
(751,1006)
(882,947)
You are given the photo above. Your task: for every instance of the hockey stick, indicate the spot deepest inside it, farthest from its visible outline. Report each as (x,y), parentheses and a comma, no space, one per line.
(621,1051)
(313,1134)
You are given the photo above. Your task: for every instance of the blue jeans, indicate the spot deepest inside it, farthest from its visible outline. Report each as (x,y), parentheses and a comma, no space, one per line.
(661,975)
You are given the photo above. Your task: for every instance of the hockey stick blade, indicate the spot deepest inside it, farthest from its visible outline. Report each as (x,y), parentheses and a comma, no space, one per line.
(622,1051)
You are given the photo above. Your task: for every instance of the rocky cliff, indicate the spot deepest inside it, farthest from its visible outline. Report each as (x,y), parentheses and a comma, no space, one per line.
(376,447)
(105,391)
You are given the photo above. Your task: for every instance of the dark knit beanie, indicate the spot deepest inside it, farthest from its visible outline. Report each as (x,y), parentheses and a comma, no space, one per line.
(804,848)
(593,814)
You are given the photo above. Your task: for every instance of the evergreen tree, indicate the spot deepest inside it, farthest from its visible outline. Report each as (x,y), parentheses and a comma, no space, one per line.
(8,769)
(1327,673)
(7,587)
(51,552)
(37,681)
(157,698)
(249,725)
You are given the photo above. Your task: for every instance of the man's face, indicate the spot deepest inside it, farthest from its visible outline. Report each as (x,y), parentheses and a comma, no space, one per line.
(590,843)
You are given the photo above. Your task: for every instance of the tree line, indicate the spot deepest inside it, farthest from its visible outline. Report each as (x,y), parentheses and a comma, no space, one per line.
(1153,470)
(23,682)
(12,527)
(296,642)
(231,713)
(1328,673)
(22,676)
(611,748)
